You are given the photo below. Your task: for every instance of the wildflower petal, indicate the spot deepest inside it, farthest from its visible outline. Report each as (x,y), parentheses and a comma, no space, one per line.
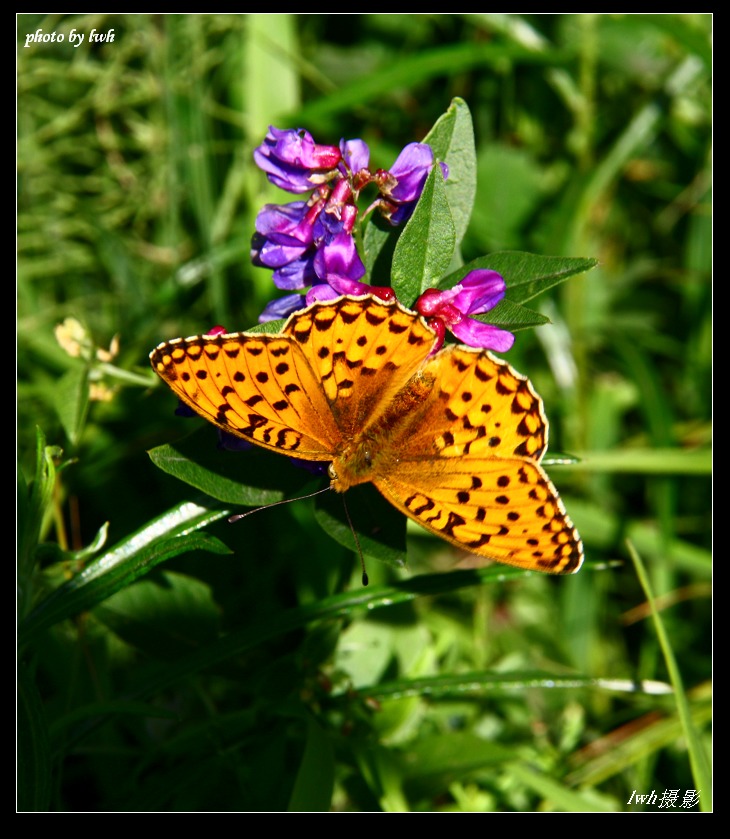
(403,187)
(474,333)
(293,161)
(283,218)
(355,154)
(269,254)
(334,288)
(338,259)
(297,147)
(299,273)
(282,307)
(479,291)
(411,169)
(320,293)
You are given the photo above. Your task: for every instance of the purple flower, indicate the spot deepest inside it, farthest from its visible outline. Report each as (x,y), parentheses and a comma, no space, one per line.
(478,292)
(293,161)
(284,232)
(336,257)
(282,307)
(403,184)
(307,242)
(292,220)
(329,262)
(312,243)
(284,240)
(355,157)
(410,171)
(338,260)
(321,291)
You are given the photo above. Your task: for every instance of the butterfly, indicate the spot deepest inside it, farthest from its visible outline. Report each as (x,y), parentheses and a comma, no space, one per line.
(453,438)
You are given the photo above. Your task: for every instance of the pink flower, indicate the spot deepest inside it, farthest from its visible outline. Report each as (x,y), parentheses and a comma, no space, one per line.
(477,293)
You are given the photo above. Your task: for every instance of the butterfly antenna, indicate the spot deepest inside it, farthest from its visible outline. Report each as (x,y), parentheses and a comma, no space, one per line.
(357,543)
(239,516)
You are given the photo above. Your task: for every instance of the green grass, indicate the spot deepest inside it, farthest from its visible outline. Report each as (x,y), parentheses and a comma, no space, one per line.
(171,661)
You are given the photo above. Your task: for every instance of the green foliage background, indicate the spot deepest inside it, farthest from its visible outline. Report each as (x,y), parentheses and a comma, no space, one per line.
(170,661)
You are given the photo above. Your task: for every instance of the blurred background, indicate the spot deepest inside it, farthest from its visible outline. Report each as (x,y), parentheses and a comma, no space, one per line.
(267,678)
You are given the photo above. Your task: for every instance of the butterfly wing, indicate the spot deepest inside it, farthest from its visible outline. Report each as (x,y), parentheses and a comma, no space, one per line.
(258,387)
(363,351)
(467,465)
(309,390)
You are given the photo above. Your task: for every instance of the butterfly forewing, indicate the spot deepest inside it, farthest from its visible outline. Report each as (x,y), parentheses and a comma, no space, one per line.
(483,407)
(364,351)
(258,387)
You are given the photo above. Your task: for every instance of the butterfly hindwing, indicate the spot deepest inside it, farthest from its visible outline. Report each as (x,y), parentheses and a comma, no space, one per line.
(468,464)
(503,509)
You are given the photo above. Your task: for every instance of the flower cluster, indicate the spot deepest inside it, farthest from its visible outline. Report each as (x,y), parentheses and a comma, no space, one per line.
(311,243)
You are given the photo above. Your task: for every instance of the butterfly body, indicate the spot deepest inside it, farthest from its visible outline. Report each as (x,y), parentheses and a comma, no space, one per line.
(453,439)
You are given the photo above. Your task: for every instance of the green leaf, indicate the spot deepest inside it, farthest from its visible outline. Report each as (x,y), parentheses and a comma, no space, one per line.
(335,607)
(380,528)
(426,245)
(255,477)
(72,400)
(459,753)
(452,141)
(33,748)
(481,684)
(245,478)
(169,535)
(698,756)
(525,274)
(658,461)
(165,617)
(558,796)
(379,241)
(645,744)
(315,779)
(34,500)
(513,317)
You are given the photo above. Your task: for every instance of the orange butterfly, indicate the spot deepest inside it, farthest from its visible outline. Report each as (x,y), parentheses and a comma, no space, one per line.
(452,439)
